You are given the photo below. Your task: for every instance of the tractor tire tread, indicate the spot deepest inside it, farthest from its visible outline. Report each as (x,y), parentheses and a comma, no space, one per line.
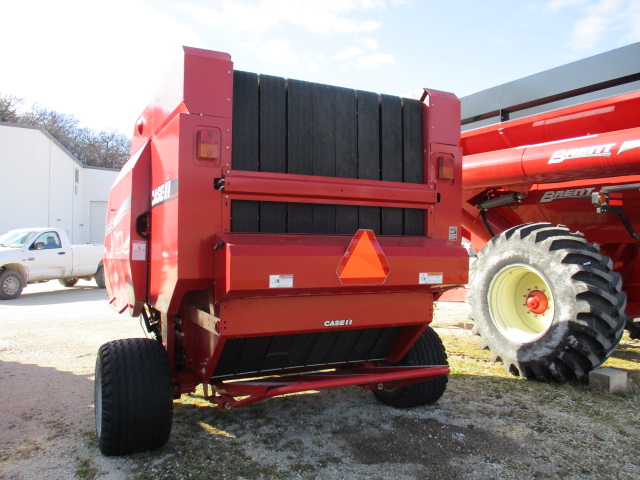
(591,284)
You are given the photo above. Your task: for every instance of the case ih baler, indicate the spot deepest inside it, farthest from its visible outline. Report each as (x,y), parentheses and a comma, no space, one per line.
(551,179)
(266,226)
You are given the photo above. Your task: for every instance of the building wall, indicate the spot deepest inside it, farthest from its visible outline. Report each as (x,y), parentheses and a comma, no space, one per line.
(43,185)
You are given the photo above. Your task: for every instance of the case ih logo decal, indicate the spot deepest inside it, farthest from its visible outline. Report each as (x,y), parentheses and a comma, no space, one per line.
(338,323)
(560,156)
(165,192)
(552,195)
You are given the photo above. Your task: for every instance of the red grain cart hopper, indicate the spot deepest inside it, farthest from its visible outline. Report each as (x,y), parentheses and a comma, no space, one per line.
(551,179)
(266,226)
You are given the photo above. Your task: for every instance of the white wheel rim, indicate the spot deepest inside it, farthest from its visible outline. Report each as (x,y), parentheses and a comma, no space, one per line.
(509,294)
(11,285)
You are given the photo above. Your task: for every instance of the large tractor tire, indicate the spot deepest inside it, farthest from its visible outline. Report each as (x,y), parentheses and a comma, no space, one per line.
(546,302)
(133,396)
(428,350)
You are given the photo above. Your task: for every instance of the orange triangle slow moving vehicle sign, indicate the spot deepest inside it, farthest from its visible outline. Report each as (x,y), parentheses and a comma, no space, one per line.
(364,262)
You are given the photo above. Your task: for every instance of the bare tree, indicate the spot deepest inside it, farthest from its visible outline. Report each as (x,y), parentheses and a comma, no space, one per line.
(106,149)
(9,108)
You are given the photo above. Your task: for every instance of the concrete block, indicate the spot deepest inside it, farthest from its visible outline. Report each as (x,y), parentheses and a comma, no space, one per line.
(608,380)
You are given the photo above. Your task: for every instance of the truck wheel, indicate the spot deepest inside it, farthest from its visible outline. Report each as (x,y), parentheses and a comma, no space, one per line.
(546,302)
(11,285)
(428,350)
(99,277)
(68,282)
(133,396)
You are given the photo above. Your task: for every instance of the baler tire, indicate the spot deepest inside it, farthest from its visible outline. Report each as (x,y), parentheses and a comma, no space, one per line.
(68,282)
(99,277)
(133,396)
(546,302)
(428,350)
(11,285)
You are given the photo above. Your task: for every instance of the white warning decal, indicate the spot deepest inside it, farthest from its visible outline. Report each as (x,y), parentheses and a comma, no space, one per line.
(453,234)
(139,250)
(280,281)
(430,278)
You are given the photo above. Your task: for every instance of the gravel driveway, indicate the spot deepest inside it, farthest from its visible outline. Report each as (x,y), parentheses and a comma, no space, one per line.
(487,425)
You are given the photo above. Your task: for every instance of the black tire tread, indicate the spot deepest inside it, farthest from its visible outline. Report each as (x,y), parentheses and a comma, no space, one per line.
(137,402)
(428,350)
(99,277)
(599,323)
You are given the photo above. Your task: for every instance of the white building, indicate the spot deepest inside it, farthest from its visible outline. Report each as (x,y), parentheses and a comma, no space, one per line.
(43,185)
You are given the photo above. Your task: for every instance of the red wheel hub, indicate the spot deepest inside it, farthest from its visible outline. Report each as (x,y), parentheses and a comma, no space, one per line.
(537,302)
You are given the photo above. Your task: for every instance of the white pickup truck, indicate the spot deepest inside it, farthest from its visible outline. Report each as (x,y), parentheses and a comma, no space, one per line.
(33,255)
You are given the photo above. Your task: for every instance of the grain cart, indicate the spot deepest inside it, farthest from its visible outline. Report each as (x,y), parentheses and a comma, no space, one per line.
(277,236)
(551,180)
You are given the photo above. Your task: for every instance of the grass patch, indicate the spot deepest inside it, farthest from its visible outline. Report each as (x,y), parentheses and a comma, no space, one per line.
(85,470)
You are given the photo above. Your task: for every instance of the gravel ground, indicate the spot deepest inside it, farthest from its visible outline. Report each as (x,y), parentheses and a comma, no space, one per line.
(487,425)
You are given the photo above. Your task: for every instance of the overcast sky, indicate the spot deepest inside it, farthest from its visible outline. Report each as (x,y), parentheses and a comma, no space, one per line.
(101,61)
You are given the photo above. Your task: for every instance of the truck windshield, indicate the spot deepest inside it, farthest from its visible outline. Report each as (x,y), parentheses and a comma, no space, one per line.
(15,238)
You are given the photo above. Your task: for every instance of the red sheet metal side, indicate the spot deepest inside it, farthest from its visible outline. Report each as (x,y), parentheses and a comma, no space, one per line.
(246,263)
(262,317)
(126,250)
(441,135)
(280,187)
(601,116)
(188,88)
(185,207)
(592,156)
(185,218)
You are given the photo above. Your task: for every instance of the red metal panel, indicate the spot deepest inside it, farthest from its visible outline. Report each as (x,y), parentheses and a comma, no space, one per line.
(246,262)
(593,156)
(303,314)
(208,82)
(126,251)
(607,115)
(279,187)
(183,225)
(442,119)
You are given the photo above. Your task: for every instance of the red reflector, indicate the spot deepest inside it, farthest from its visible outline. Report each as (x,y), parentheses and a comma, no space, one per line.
(208,144)
(615,199)
(446,166)
(364,262)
